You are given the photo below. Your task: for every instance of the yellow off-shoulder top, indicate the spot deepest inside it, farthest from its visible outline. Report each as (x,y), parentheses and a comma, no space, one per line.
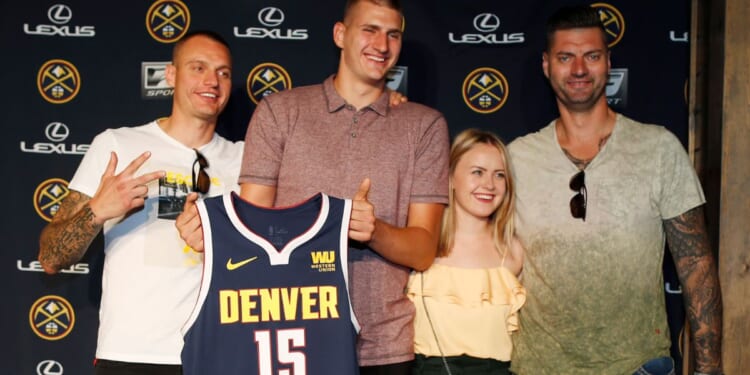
(473,311)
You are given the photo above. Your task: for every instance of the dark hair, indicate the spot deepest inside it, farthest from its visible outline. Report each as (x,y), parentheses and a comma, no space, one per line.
(574,17)
(216,37)
(393,4)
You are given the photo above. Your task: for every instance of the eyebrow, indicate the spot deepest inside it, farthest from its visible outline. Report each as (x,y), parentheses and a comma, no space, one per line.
(204,62)
(380,27)
(565,52)
(484,169)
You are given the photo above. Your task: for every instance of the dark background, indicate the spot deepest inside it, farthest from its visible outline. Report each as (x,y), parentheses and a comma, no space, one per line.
(38,158)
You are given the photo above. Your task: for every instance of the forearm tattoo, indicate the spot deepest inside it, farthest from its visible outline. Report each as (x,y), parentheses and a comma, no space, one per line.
(696,268)
(65,240)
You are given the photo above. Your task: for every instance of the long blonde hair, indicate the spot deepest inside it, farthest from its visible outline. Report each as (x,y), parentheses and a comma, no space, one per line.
(503,228)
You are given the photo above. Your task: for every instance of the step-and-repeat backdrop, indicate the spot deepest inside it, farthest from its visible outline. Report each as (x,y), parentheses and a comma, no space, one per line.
(72,68)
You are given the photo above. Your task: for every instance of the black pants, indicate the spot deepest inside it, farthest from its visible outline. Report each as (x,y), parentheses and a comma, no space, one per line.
(460,365)
(403,368)
(107,367)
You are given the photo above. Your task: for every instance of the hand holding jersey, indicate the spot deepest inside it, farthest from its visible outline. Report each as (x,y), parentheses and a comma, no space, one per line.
(361,224)
(189,224)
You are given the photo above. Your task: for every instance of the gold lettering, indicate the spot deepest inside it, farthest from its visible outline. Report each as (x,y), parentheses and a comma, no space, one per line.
(247,305)
(228,306)
(323,256)
(329,301)
(289,298)
(276,304)
(308,301)
(270,307)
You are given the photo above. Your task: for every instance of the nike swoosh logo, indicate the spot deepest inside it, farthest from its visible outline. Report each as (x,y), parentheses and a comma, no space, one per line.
(233,266)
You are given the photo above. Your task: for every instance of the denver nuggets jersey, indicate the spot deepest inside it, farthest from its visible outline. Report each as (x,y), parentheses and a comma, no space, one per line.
(274,297)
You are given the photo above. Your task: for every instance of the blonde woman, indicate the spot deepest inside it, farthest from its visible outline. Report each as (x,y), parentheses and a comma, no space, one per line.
(467,301)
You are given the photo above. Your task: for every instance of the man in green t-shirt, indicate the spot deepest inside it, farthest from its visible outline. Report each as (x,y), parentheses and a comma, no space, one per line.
(598,194)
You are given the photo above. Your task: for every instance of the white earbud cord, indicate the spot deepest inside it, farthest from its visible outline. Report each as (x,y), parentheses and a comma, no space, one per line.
(429,320)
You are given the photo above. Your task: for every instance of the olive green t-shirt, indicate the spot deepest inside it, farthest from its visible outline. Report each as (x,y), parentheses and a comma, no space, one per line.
(595,301)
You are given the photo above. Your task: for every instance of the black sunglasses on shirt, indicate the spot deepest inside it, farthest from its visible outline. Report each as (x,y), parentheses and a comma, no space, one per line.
(578,202)
(202,183)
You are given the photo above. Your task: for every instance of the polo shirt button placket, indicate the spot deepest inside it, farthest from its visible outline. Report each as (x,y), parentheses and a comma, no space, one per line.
(355,120)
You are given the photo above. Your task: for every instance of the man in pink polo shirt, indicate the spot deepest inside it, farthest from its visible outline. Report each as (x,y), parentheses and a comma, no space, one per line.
(342,138)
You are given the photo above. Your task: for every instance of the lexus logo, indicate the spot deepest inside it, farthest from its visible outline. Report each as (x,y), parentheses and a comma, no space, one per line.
(271,17)
(59,14)
(56,131)
(49,367)
(486,22)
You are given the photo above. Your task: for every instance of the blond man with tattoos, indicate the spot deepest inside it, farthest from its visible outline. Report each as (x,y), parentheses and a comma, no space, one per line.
(131,184)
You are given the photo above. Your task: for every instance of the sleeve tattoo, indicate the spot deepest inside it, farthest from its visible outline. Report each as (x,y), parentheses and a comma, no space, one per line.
(697,270)
(66,238)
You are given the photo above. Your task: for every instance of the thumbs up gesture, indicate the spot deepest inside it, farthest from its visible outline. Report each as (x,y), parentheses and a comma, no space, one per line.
(362,221)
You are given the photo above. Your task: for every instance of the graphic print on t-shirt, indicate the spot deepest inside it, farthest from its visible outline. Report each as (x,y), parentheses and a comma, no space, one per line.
(173,188)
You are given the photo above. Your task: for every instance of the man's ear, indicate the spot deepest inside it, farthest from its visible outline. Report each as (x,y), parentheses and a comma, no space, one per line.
(545,64)
(338,34)
(169,74)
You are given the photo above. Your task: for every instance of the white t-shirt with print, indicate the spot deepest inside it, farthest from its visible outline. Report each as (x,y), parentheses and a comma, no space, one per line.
(151,278)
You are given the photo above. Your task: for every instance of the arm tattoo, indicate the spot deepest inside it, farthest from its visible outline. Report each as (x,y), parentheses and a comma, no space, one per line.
(65,240)
(697,270)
